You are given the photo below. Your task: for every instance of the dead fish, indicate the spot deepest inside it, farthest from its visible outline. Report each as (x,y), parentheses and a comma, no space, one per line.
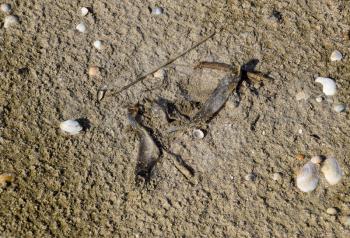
(6,178)
(218,97)
(149,153)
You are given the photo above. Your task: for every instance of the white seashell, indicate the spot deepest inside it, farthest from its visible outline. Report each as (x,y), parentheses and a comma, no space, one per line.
(72,127)
(97,44)
(319,99)
(307,178)
(332,211)
(157,11)
(84,11)
(316,159)
(339,107)
(198,134)
(160,74)
(331,170)
(329,86)
(336,56)
(81,27)
(5,7)
(10,21)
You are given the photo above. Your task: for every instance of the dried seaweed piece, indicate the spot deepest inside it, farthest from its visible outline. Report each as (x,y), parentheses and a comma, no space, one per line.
(256,77)
(214,65)
(6,178)
(149,153)
(218,98)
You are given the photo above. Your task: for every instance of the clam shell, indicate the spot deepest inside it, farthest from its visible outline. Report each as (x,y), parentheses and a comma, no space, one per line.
(336,56)
(308,177)
(331,170)
(329,86)
(84,11)
(72,127)
(81,27)
(97,44)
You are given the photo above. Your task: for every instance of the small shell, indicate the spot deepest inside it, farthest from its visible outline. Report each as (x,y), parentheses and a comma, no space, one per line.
(336,56)
(339,107)
(97,44)
(10,21)
(160,74)
(329,86)
(5,7)
(81,27)
(72,127)
(331,211)
(319,99)
(250,177)
(6,178)
(84,11)
(101,93)
(198,134)
(308,177)
(316,159)
(93,71)
(331,170)
(157,11)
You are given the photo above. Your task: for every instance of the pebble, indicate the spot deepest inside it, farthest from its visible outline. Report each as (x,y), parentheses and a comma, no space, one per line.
(157,11)
(250,177)
(10,21)
(336,56)
(277,176)
(93,71)
(5,7)
(319,99)
(339,107)
(301,96)
(98,44)
(198,134)
(84,11)
(160,74)
(81,27)
(332,211)
(346,220)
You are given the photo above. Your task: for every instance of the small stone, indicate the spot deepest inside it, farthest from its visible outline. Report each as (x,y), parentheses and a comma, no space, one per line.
(346,220)
(10,21)
(300,157)
(301,96)
(339,107)
(250,177)
(81,27)
(319,99)
(97,44)
(84,11)
(5,7)
(277,176)
(93,71)
(332,211)
(198,134)
(336,56)
(160,74)
(157,11)
(300,131)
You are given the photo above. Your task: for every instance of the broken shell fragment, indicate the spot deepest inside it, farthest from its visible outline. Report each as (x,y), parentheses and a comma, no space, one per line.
(339,107)
(101,92)
(81,27)
(5,7)
(319,99)
(157,11)
(10,21)
(316,159)
(329,86)
(72,127)
(336,56)
(160,74)
(250,177)
(331,211)
(308,177)
(84,11)
(331,170)
(198,134)
(6,178)
(277,176)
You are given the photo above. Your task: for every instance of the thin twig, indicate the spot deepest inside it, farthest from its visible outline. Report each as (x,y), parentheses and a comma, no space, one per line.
(141,78)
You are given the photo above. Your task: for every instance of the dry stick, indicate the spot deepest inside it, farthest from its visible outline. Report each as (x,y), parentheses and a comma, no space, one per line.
(140,79)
